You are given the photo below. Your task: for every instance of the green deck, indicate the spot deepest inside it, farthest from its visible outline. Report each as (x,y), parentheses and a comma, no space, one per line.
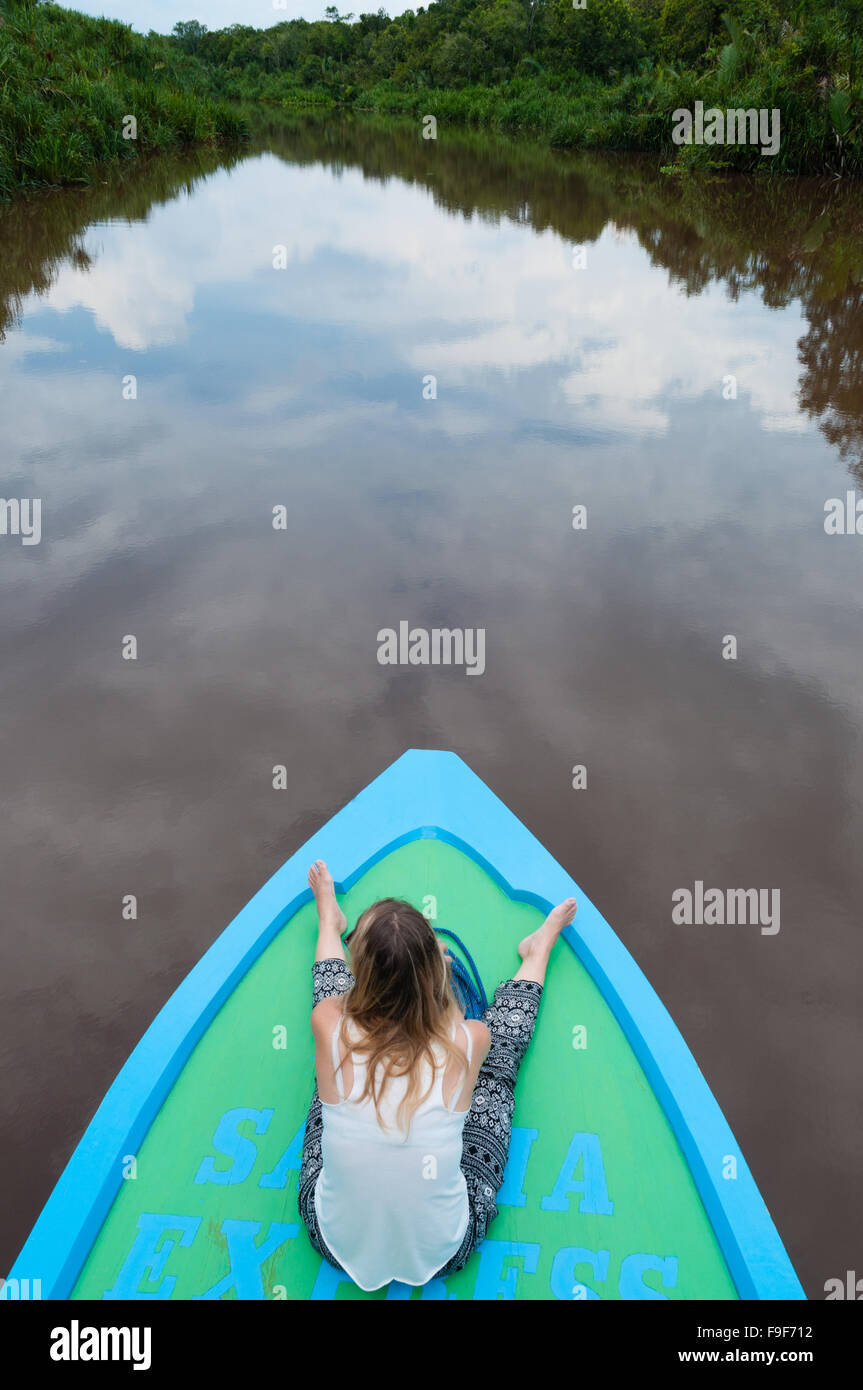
(563,1091)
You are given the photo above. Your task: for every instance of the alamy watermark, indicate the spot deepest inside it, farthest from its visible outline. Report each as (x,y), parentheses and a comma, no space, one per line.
(437,646)
(77,1343)
(21,516)
(20,1290)
(848,1288)
(844,516)
(733,127)
(729,906)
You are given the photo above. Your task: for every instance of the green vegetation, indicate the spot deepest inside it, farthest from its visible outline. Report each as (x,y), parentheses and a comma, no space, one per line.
(605,76)
(608,75)
(68,82)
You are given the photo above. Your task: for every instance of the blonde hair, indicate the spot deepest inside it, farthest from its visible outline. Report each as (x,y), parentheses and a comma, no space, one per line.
(402,1002)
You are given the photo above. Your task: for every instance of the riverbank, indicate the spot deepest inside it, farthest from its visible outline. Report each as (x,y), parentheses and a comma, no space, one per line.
(609,75)
(634,115)
(78,95)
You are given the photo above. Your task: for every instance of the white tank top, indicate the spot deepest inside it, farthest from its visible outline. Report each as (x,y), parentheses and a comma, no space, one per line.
(391,1207)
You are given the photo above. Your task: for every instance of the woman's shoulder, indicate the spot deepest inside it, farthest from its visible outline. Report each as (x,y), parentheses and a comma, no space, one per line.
(330,1017)
(479,1035)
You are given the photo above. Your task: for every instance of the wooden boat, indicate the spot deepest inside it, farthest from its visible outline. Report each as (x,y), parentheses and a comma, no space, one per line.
(624,1180)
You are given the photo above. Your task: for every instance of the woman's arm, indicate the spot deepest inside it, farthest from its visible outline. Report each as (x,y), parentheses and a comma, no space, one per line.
(325,1020)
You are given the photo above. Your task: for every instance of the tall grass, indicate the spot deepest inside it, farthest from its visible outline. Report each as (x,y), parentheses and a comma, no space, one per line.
(68,83)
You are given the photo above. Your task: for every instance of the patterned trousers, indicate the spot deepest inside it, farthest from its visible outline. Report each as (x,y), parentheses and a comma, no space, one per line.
(511,1019)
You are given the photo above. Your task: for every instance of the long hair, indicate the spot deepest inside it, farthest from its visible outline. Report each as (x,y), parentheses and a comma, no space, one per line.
(402,1002)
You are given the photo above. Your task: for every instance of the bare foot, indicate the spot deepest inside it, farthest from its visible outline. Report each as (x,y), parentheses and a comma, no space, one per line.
(538,945)
(323,889)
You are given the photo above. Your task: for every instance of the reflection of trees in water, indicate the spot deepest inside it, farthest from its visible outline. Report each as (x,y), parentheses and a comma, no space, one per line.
(42,232)
(787,239)
(822,269)
(825,278)
(832,387)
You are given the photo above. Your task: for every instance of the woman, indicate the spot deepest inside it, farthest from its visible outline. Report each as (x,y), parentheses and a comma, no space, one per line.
(408,1131)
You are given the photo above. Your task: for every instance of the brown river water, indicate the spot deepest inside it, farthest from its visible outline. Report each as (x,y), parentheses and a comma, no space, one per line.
(683,358)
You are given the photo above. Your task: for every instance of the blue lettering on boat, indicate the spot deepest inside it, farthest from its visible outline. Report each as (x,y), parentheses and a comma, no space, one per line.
(501,1262)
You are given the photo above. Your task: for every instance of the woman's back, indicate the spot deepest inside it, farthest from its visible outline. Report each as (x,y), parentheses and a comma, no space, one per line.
(391,1204)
